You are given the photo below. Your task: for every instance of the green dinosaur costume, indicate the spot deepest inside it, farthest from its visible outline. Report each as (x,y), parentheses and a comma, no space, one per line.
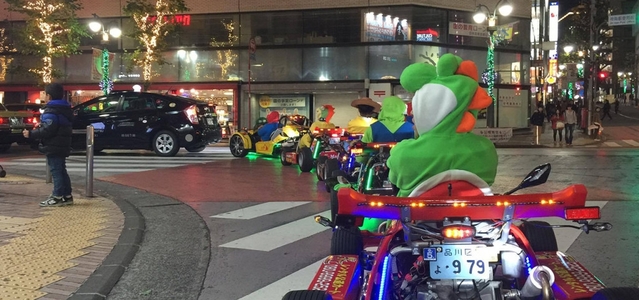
(391,115)
(445,105)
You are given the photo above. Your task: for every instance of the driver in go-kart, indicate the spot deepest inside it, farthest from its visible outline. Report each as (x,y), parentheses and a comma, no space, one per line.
(368,111)
(272,123)
(391,125)
(325,113)
(447,99)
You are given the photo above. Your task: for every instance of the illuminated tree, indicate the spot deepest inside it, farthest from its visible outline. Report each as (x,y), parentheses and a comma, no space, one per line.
(226,58)
(154,21)
(5,60)
(52,30)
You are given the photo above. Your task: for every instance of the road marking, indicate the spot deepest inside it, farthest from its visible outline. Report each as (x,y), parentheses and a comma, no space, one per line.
(96,164)
(279,236)
(612,144)
(567,236)
(259,210)
(299,280)
(631,142)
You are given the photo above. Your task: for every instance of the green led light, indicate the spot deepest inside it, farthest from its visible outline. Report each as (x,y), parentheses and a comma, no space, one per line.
(369,180)
(318,145)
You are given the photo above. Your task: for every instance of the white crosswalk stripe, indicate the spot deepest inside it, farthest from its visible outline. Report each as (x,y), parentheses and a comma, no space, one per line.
(632,142)
(259,210)
(612,144)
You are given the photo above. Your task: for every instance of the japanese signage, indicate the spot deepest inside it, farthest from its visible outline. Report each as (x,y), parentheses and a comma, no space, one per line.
(509,101)
(495,135)
(379,28)
(184,20)
(427,35)
(619,20)
(335,276)
(285,105)
(570,276)
(466,29)
(553,25)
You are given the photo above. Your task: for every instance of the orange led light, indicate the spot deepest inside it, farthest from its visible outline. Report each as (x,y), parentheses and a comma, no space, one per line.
(422,205)
(551,201)
(499,203)
(413,204)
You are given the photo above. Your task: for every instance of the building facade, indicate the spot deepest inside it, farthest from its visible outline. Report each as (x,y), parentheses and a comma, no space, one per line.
(250,57)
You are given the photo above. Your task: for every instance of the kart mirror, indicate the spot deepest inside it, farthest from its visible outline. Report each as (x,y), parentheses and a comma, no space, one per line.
(537,176)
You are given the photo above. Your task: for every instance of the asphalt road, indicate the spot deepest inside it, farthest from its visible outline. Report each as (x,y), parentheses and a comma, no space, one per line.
(264,242)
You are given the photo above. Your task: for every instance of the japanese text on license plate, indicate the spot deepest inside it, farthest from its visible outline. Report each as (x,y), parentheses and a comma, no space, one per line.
(458,262)
(334,140)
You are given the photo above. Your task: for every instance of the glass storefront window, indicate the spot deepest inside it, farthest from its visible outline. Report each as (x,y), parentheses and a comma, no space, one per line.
(429,25)
(334,63)
(388,61)
(478,57)
(272,65)
(272,28)
(508,68)
(384,24)
(209,65)
(203,29)
(331,26)
(427,54)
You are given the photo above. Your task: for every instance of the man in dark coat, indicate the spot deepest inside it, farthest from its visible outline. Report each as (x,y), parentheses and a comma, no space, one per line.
(54,136)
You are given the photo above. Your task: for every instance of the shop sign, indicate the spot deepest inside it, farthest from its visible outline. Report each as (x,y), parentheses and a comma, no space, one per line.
(427,35)
(467,29)
(277,101)
(495,135)
(184,20)
(379,91)
(380,27)
(509,101)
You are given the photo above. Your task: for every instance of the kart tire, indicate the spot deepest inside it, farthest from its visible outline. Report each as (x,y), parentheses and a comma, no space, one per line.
(305,159)
(347,241)
(237,147)
(307,295)
(4,148)
(540,235)
(330,166)
(320,168)
(195,149)
(165,144)
(617,293)
(283,158)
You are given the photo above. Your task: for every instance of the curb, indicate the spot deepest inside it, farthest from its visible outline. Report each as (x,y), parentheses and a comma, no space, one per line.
(103,279)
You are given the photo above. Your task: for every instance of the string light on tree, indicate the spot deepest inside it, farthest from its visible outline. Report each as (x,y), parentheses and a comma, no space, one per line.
(106,84)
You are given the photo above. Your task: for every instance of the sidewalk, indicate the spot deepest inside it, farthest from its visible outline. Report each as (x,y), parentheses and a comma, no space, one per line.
(49,253)
(525,140)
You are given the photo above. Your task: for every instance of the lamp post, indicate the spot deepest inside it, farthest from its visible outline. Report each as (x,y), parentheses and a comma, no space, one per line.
(96,25)
(482,13)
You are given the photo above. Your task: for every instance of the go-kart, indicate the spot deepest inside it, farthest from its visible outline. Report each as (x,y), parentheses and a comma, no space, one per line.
(453,239)
(288,133)
(336,156)
(306,157)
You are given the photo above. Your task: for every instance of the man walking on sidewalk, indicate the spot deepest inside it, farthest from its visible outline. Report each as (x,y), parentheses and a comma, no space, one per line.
(54,136)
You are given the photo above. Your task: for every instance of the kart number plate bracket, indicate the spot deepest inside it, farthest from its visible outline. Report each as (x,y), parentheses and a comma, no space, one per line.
(405,211)
(460,262)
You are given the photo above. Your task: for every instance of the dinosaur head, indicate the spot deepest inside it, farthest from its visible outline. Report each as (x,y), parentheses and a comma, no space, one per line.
(326,112)
(447,96)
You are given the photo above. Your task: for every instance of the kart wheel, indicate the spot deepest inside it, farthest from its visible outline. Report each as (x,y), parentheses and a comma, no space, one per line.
(195,149)
(236,144)
(307,295)
(320,167)
(165,144)
(617,293)
(305,159)
(4,148)
(283,158)
(540,235)
(347,241)
(330,166)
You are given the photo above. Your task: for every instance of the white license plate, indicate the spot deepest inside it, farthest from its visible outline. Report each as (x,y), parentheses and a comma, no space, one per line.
(210,121)
(334,141)
(458,262)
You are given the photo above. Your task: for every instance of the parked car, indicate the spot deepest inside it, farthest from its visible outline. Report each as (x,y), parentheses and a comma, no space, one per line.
(11,125)
(34,108)
(134,120)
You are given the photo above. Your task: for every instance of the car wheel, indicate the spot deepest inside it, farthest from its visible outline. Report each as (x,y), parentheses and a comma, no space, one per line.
(540,235)
(195,149)
(236,144)
(347,241)
(305,159)
(617,293)
(165,143)
(307,295)
(4,147)
(320,167)
(283,157)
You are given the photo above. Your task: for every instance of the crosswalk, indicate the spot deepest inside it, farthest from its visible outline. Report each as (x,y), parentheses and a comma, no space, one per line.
(114,162)
(284,244)
(617,144)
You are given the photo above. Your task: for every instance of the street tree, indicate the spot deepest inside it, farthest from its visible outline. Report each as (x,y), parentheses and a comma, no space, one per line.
(154,21)
(51,30)
(576,32)
(226,58)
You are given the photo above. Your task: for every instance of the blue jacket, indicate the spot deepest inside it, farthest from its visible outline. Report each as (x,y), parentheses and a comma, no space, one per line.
(266,131)
(55,131)
(381,134)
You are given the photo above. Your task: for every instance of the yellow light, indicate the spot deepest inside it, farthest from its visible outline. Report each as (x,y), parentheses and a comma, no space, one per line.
(463,204)
(413,204)
(455,204)
(543,201)
(506,203)
(356,151)
(499,203)
(422,204)
(551,201)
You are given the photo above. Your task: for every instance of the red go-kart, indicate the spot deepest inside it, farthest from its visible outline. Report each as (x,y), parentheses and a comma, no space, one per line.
(453,239)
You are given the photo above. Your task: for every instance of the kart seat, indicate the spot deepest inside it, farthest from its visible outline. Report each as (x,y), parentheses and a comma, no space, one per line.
(464,184)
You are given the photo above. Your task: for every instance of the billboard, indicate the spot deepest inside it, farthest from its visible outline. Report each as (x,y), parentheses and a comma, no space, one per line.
(553,25)
(380,28)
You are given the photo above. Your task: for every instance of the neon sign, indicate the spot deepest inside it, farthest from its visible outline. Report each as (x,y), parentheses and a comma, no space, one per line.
(184,20)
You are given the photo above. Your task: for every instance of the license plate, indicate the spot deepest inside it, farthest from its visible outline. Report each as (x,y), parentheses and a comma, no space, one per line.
(210,121)
(356,151)
(16,130)
(334,141)
(458,262)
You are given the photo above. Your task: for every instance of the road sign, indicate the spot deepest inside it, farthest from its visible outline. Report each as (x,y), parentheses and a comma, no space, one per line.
(619,20)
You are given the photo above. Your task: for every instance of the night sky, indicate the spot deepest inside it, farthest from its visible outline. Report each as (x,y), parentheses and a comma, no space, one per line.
(566,5)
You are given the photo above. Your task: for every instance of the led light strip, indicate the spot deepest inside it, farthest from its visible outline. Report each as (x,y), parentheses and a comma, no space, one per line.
(455,204)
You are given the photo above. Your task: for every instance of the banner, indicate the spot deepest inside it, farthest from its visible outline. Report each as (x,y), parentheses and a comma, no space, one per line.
(504,32)
(285,105)
(96,66)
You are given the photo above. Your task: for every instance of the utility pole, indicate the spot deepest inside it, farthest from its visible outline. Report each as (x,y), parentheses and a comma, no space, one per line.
(591,83)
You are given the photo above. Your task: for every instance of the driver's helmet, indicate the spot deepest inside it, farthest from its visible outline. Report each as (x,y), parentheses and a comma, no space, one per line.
(260,121)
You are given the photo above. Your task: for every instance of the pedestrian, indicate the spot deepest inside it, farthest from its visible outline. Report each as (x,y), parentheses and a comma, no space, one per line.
(570,119)
(54,139)
(606,110)
(557,121)
(537,120)
(617,106)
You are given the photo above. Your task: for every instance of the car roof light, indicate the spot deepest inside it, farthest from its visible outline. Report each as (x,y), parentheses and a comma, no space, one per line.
(582,213)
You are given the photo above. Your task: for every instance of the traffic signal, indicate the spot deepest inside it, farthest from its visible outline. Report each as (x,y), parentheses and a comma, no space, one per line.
(602,75)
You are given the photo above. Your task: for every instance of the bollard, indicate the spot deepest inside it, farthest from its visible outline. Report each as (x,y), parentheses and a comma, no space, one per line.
(89,175)
(49,177)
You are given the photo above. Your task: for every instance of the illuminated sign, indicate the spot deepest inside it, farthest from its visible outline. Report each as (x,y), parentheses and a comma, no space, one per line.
(184,20)
(385,28)
(427,35)
(553,26)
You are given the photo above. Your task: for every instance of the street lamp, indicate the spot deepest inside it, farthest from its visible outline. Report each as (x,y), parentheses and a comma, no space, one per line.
(482,12)
(568,49)
(96,25)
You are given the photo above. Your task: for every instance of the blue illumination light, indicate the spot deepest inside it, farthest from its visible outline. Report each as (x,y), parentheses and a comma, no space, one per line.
(528,265)
(382,284)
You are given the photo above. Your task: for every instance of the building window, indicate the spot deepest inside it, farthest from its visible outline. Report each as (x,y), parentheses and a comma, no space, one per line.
(429,24)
